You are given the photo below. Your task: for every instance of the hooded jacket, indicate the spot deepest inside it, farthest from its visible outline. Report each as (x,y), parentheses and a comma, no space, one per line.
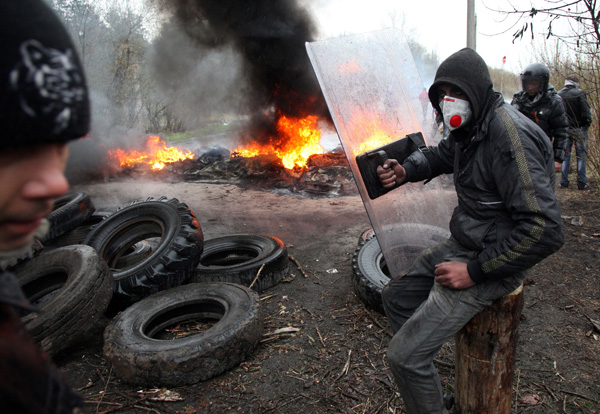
(503,174)
(576,105)
(548,112)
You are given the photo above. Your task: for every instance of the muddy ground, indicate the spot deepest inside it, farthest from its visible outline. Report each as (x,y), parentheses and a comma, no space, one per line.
(335,362)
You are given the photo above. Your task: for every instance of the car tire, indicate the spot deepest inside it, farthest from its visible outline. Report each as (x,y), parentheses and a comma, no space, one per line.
(78,233)
(171,261)
(370,273)
(239,258)
(72,287)
(135,345)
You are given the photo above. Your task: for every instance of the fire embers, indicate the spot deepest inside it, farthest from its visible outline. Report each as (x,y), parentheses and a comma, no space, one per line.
(157,155)
(325,175)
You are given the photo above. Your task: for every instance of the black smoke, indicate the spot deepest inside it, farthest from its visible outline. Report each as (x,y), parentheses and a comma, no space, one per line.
(270,36)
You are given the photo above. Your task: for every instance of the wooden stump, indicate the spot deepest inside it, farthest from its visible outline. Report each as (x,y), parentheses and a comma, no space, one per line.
(485,357)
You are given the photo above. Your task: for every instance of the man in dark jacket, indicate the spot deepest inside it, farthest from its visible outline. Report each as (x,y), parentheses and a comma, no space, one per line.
(580,118)
(43,104)
(506,221)
(539,102)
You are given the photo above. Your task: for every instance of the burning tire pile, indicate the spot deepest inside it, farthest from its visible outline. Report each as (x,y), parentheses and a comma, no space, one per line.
(182,309)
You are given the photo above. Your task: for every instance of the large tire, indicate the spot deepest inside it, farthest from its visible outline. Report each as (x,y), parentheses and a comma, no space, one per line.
(140,355)
(69,211)
(170,263)
(370,272)
(238,258)
(72,286)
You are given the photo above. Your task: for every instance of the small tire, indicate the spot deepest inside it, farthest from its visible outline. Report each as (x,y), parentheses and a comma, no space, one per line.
(370,273)
(135,254)
(78,233)
(239,258)
(169,264)
(72,286)
(133,344)
(68,212)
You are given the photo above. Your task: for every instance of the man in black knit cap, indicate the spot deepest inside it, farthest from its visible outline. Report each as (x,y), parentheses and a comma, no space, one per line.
(43,104)
(507,220)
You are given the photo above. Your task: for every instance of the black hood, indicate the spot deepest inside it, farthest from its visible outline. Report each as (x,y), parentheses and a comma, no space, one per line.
(467,71)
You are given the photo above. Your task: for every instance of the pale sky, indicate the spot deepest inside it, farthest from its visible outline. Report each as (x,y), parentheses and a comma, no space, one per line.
(438,25)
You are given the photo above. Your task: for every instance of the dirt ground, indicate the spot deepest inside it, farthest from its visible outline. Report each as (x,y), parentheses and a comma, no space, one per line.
(335,362)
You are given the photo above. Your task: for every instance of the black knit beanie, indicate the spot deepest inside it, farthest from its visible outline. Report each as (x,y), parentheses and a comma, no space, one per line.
(467,71)
(43,93)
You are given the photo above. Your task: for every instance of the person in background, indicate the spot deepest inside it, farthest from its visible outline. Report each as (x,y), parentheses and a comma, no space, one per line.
(43,104)
(539,102)
(506,221)
(580,118)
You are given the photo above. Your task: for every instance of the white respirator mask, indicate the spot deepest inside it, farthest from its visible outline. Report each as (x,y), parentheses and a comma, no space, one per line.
(457,112)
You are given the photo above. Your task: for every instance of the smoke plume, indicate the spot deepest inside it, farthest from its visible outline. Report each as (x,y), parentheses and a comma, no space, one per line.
(270,37)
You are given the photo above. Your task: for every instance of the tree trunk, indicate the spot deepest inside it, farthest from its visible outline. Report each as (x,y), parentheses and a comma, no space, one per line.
(485,357)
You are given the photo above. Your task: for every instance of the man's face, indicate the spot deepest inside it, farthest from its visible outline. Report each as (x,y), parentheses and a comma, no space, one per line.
(450,90)
(531,86)
(30,179)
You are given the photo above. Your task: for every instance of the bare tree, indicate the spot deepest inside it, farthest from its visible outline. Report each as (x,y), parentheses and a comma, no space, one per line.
(575,25)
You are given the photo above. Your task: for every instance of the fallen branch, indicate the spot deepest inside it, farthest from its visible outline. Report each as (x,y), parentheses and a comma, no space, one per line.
(580,396)
(286,332)
(257,275)
(298,265)
(548,390)
(346,366)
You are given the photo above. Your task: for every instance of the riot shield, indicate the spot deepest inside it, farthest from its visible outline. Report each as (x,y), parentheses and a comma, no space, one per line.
(376,99)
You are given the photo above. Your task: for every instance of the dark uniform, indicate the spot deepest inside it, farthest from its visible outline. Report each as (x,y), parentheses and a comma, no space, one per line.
(545,108)
(506,221)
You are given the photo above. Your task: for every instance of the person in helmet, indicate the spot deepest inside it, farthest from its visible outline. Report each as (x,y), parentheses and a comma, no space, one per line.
(43,105)
(580,118)
(539,101)
(506,221)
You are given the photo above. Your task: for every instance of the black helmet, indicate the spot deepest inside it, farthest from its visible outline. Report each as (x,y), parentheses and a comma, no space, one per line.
(535,74)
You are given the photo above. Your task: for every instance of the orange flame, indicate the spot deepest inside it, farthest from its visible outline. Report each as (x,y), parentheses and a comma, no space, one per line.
(298,140)
(156,155)
(374,131)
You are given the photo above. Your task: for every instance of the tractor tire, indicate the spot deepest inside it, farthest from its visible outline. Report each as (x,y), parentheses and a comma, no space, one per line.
(176,253)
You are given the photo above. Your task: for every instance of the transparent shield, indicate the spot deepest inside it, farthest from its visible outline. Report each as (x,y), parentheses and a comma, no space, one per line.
(375,96)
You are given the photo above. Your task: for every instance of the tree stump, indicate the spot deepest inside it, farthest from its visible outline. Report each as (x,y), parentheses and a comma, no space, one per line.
(485,357)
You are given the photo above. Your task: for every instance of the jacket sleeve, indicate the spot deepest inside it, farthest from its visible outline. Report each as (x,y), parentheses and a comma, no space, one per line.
(558,127)
(425,165)
(584,110)
(523,174)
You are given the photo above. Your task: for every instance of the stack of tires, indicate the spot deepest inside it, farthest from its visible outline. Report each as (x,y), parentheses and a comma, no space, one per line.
(183,309)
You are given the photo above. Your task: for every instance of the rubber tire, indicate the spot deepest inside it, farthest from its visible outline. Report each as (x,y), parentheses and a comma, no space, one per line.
(135,254)
(139,358)
(366,235)
(77,234)
(170,263)
(238,258)
(72,286)
(68,212)
(370,273)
